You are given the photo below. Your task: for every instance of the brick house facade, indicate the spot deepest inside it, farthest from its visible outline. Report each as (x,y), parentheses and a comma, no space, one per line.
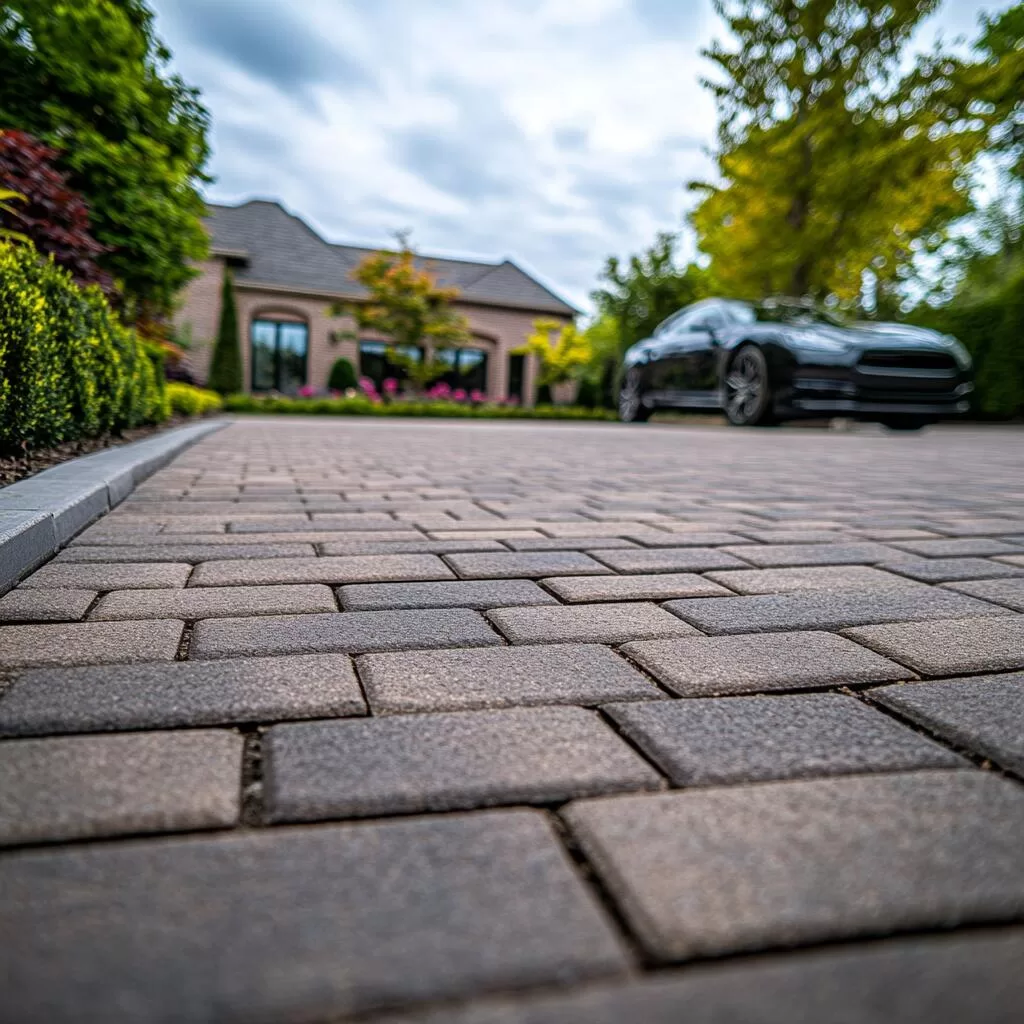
(286,278)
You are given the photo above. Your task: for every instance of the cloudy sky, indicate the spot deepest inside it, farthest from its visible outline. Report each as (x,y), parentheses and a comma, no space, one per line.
(553,132)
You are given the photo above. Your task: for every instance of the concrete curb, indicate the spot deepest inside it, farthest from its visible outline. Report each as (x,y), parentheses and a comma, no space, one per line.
(38,516)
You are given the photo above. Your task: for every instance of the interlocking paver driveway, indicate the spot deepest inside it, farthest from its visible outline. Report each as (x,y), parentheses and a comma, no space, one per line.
(339,643)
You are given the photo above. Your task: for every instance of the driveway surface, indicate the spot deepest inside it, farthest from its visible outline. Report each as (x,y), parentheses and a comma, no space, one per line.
(491,723)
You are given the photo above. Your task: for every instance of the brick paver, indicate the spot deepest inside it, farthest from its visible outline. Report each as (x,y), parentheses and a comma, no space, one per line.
(297,624)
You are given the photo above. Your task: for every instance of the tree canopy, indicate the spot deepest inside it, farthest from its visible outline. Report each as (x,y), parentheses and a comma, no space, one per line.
(90,78)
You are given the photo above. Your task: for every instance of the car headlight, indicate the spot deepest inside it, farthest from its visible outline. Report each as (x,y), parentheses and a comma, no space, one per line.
(960,354)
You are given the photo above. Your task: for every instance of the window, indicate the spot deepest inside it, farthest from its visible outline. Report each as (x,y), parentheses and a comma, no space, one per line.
(468,368)
(516,376)
(279,350)
(374,362)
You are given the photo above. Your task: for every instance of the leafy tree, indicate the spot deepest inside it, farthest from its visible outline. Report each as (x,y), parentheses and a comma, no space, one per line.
(561,350)
(831,162)
(49,214)
(90,78)
(405,304)
(225,376)
(636,296)
(997,79)
(342,375)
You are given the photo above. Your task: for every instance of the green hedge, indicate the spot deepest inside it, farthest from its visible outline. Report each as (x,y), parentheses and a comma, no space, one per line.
(364,407)
(186,400)
(993,332)
(68,367)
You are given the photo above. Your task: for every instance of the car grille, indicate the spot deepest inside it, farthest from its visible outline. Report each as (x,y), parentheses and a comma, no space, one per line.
(910,363)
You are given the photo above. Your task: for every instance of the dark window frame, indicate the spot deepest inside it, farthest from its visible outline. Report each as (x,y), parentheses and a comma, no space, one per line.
(277,362)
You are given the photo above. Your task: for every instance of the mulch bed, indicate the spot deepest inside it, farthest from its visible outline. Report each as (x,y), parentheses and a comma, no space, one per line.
(24,464)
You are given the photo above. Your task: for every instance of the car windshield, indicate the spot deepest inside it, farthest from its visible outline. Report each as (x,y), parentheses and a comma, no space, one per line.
(778,311)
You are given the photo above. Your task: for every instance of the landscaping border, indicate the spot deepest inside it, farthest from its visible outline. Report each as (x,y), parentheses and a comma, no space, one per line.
(38,516)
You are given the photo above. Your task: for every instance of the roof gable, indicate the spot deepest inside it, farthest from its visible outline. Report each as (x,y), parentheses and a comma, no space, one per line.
(282,251)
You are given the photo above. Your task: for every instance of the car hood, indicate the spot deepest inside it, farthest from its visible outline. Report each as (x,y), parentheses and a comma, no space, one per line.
(870,335)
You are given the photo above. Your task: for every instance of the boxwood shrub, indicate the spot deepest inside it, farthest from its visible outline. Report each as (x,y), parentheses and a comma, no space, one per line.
(68,367)
(186,400)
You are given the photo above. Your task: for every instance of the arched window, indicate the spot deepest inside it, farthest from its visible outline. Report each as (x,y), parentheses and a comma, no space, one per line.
(279,352)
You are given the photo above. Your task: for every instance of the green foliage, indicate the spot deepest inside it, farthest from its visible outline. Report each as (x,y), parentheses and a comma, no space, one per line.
(225,376)
(598,378)
(832,163)
(68,367)
(342,375)
(406,306)
(561,350)
(364,407)
(186,400)
(90,78)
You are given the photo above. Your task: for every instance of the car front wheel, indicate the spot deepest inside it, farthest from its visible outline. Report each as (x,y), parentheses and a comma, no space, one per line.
(631,400)
(748,395)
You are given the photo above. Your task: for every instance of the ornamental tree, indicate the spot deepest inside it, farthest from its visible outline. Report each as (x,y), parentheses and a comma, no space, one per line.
(561,350)
(225,376)
(409,309)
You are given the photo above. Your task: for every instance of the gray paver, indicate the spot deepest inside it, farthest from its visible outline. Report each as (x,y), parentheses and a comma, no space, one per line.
(528,564)
(781,555)
(362,916)
(675,559)
(499,677)
(414,763)
(181,693)
(81,786)
(1009,593)
(712,666)
(944,979)
(588,623)
(179,552)
(816,577)
(461,594)
(757,739)
(215,602)
(116,576)
(658,587)
(944,570)
(982,714)
(408,547)
(955,548)
(38,605)
(823,610)
(946,648)
(740,868)
(342,569)
(348,632)
(685,539)
(89,643)
(568,544)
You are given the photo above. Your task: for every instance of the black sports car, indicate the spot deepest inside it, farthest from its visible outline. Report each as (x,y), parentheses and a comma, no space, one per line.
(781,359)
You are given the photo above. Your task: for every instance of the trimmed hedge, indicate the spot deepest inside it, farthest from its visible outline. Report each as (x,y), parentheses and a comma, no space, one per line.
(68,367)
(186,400)
(342,375)
(364,407)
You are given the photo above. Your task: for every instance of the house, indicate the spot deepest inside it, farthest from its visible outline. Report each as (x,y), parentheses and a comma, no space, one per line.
(287,276)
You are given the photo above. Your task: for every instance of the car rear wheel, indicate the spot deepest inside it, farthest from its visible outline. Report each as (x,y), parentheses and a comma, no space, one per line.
(748,394)
(631,400)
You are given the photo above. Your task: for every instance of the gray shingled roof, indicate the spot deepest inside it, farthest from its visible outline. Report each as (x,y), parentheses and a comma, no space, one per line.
(283,251)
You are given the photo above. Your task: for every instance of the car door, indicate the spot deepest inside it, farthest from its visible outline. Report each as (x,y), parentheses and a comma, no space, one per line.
(701,373)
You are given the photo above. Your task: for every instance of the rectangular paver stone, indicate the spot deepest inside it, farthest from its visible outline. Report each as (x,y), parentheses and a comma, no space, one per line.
(946,648)
(415,763)
(344,569)
(823,610)
(478,594)
(215,602)
(89,643)
(348,632)
(74,787)
(181,552)
(308,924)
(1009,593)
(589,623)
(163,695)
(956,548)
(568,544)
(675,559)
(499,677)
(743,868)
(712,666)
(528,564)
(657,587)
(44,605)
(139,576)
(407,547)
(778,555)
(757,739)
(814,577)
(982,714)
(944,570)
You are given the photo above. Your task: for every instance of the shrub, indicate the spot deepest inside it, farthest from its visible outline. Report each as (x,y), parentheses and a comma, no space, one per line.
(226,363)
(186,400)
(68,367)
(342,375)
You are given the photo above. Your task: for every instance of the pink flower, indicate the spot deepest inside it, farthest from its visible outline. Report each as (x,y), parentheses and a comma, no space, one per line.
(441,390)
(476,395)
(390,386)
(367,387)
(458,395)
(307,391)
(511,400)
